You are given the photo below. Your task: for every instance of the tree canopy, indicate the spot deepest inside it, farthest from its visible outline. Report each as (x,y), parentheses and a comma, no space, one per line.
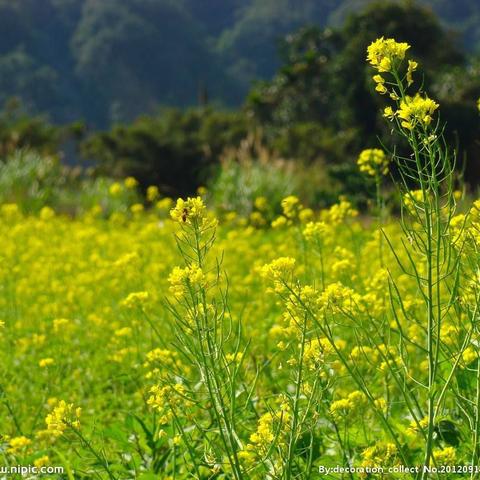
(109,61)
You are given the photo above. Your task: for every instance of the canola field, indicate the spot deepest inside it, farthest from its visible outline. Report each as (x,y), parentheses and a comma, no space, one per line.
(87,340)
(175,342)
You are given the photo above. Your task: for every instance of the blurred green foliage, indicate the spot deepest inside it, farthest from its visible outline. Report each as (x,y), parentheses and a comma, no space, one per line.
(30,180)
(174,150)
(19,130)
(251,171)
(322,103)
(315,113)
(33,181)
(320,108)
(109,61)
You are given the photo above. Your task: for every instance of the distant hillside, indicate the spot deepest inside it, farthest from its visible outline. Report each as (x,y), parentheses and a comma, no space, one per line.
(110,60)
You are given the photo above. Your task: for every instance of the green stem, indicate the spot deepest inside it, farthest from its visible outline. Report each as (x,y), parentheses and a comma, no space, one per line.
(100,459)
(298,387)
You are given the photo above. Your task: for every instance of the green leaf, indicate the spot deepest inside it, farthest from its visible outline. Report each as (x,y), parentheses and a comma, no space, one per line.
(448,432)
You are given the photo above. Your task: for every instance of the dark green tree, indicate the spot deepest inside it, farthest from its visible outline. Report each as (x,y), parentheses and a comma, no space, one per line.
(324,80)
(19,131)
(173,149)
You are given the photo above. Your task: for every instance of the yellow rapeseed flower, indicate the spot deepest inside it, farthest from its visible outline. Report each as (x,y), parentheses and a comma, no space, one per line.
(279,222)
(136,299)
(136,208)
(115,189)
(379,454)
(186,211)
(46,362)
(43,461)
(291,206)
(373,161)
(445,456)
(412,67)
(47,213)
(383,54)
(305,215)
(389,113)
(278,268)
(261,203)
(17,444)
(164,204)
(180,278)
(130,182)
(152,193)
(63,416)
(416,110)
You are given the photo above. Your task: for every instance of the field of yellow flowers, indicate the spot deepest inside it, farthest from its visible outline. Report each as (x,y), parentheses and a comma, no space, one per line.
(165,343)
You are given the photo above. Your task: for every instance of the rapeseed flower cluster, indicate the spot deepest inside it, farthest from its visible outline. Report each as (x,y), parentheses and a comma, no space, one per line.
(373,161)
(379,455)
(63,417)
(445,456)
(271,425)
(417,110)
(387,56)
(106,281)
(187,211)
(136,299)
(293,212)
(354,404)
(18,444)
(337,298)
(181,279)
(166,399)
(384,54)
(186,365)
(339,213)
(279,272)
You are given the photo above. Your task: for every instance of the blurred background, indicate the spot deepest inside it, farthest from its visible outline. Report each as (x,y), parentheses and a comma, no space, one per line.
(242,98)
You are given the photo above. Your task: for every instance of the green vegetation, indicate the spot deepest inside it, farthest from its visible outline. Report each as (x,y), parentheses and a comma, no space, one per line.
(19,130)
(176,343)
(314,114)
(318,111)
(174,150)
(111,60)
